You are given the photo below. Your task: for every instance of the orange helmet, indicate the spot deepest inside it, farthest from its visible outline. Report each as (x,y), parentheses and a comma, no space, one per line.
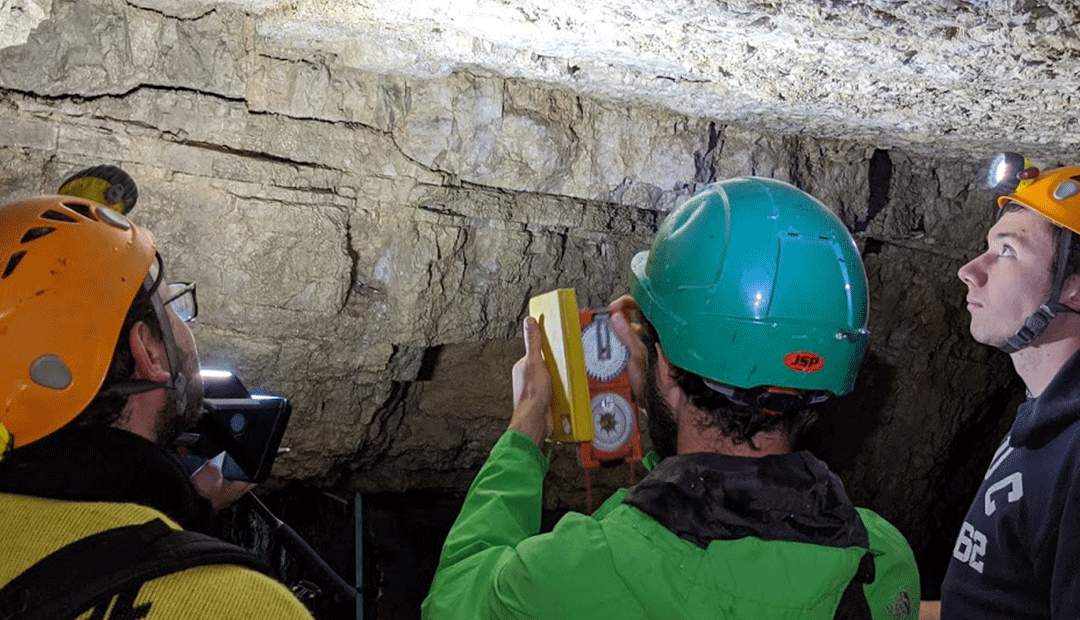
(69,270)
(1055,194)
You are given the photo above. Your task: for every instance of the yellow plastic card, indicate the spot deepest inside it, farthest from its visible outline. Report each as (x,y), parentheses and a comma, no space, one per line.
(557,313)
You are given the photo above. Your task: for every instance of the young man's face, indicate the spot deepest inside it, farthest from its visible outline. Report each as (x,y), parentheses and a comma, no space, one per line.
(1012,278)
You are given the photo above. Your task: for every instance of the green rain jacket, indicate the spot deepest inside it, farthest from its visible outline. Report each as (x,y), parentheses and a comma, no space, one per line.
(702,536)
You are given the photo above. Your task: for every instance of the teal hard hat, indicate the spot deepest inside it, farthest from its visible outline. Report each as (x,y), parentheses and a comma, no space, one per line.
(754,283)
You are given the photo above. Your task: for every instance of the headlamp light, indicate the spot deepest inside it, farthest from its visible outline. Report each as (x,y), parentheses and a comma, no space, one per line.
(1008,171)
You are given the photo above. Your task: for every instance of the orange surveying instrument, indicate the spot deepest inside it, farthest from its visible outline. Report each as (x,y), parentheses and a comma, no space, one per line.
(592,403)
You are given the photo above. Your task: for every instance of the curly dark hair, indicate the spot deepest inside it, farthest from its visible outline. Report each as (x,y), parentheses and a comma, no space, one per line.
(734,420)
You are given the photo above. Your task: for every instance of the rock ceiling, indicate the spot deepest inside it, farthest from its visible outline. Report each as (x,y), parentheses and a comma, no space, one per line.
(962,77)
(959,77)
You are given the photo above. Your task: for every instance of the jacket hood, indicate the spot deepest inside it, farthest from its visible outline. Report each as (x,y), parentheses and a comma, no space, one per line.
(1039,420)
(707,497)
(780,538)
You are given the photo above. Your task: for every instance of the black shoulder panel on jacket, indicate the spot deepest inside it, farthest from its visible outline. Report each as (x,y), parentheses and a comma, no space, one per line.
(92,570)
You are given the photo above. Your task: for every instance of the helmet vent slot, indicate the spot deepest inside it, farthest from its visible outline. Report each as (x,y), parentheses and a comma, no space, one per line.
(50,371)
(37,233)
(110,216)
(13,262)
(81,209)
(1066,189)
(56,216)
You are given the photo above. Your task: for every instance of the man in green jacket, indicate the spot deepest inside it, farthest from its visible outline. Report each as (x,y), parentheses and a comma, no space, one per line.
(749,309)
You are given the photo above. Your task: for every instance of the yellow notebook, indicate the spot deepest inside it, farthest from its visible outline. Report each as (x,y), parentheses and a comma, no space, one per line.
(557,313)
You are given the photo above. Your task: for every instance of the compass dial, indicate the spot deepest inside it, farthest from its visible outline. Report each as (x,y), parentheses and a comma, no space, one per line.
(613,420)
(605,355)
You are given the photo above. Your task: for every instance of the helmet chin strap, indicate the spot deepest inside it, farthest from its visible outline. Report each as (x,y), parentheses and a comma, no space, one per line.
(1038,321)
(176,386)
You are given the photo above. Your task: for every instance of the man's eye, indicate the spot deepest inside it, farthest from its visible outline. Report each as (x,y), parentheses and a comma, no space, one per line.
(1007,251)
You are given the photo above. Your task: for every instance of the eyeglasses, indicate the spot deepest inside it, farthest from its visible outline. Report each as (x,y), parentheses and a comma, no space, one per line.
(181,296)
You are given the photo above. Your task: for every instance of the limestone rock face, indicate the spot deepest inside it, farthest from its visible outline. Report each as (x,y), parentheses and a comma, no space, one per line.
(366,237)
(929,76)
(933,77)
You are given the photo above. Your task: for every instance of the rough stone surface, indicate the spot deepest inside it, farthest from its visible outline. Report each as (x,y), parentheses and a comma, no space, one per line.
(366,232)
(932,76)
(957,77)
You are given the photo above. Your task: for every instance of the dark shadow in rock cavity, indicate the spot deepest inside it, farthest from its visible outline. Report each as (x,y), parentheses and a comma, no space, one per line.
(325,521)
(880,177)
(428,363)
(845,423)
(959,473)
(404,535)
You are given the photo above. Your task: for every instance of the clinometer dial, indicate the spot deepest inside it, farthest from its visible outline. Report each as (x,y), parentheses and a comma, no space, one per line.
(605,355)
(613,421)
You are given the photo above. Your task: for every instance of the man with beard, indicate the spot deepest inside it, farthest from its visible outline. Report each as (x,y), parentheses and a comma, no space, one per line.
(749,309)
(98,376)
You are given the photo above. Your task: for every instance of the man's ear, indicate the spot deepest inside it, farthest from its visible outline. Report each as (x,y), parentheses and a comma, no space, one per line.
(1070,292)
(151,359)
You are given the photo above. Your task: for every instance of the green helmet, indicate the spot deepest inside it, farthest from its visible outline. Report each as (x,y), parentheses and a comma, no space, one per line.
(753,282)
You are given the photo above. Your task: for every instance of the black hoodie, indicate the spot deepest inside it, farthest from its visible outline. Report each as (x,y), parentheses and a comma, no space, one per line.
(1018,553)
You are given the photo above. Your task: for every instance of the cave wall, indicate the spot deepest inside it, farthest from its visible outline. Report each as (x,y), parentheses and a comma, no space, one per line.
(365,243)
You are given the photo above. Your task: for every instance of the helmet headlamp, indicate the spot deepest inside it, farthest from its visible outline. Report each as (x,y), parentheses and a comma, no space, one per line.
(1009,172)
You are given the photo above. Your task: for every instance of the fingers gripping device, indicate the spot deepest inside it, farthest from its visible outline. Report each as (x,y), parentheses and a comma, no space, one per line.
(592,404)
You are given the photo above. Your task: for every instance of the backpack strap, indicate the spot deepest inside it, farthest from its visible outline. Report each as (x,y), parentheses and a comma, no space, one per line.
(92,570)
